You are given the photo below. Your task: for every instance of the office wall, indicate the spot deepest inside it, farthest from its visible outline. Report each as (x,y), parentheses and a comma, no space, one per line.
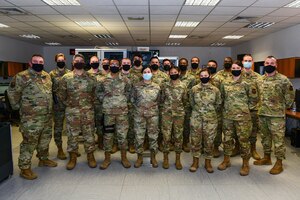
(17,51)
(281,44)
(205,53)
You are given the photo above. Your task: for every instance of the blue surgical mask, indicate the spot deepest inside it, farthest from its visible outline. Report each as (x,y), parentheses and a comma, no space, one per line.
(247,65)
(147,77)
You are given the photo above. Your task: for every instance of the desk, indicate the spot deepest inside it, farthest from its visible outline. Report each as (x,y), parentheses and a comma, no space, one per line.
(292,114)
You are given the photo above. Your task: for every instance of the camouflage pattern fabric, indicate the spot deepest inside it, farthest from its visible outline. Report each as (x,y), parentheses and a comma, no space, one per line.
(205,101)
(31,93)
(173,99)
(77,92)
(58,107)
(193,73)
(145,99)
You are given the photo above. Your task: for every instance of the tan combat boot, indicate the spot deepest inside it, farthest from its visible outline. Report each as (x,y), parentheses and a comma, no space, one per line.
(178,164)
(195,164)
(245,167)
(166,161)
(225,164)
(254,153)
(236,149)
(114,149)
(91,160)
(125,162)
(60,153)
(139,161)
(266,160)
(47,163)
(100,142)
(153,160)
(72,162)
(208,166)
(185,147)
(106,161)
(277,168)
(131,148)
(216,152)
(28,174)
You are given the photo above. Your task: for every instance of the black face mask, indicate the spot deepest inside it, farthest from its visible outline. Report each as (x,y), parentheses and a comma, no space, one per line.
(95,65)
(236,72)
(204,80)
(269,69)
(212,70)
(174,76)
(61,64)
(114,69)
(154,67)
(37,67)
(126,67)
(167,67)
(105,67)
(183,67)
(195,65)
(227,65)
(79,65)
(137,63)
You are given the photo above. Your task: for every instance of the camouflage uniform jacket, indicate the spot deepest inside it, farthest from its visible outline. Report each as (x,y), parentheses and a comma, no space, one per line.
(31,93)
(174,98)
(77,91)
(160,77)
(219,77)
(276,95)
(238,96)
(205,100)
(195,74)
(251,77)
(56,76)
(188,80)
(135,75)
(114,94)
(145,98)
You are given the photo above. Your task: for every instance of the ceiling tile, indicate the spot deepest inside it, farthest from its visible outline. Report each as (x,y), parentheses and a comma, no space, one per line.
(167,2)
(44,10)
(131,2)
(295,20)
(113,24)
(234,25)
(5,3)
(125,18)
(53,18)
(158,18)
(27,18)
(96,2)
(7,19)
(165,10)
(81,17)
(285,12)
(133,10)
(217,18)
(236,2)
(166,24)
(272,3)
(210,24)
(196,10)
(108,18)
(71,10)
(27,2)
(227,10)
(271,19)
(65,24)
(197,18)
(256,11)
(101,10)
(128,23)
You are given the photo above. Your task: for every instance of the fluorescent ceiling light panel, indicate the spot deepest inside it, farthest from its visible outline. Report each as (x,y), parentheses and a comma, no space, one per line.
(62,2)
(112,43)
(233,37)
(217,44)
(52,43)
(172,44)
(3,26)
(260,24)
(186,24)
(88,24)
(30,36)
(294,4)
(201,2)
(177,36)
(103,36)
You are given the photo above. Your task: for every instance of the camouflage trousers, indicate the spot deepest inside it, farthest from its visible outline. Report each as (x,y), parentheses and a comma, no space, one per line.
(272,130)
(218,137)
(115,124)
(80,121)
(130,135)
(172,127)
(243,130)
(37,134)
(143,125)
(98,119)
(203,133)
(58,118)
(255,129)
(186,126)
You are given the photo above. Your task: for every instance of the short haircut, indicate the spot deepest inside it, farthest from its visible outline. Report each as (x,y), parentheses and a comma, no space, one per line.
(184,59)
(154,57)
(125,59)
(94,57)
(143,69)
(78,55)
(137,55)
(213,62)
(175,67)
(272,57)
(196,57)
(166,59)
(59,55)
(37,55)
(114,60)
(228,57)
(247,55)
(105,59)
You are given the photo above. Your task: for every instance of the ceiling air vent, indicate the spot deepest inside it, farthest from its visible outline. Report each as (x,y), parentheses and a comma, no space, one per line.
(136,18)
(12,11)
(141,40)
(241,19)
(69,36)
(196,37)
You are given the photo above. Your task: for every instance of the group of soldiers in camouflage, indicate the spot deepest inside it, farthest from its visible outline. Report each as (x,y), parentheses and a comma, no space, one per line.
(170,108)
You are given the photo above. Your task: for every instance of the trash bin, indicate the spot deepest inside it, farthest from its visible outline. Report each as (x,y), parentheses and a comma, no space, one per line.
(6,161)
